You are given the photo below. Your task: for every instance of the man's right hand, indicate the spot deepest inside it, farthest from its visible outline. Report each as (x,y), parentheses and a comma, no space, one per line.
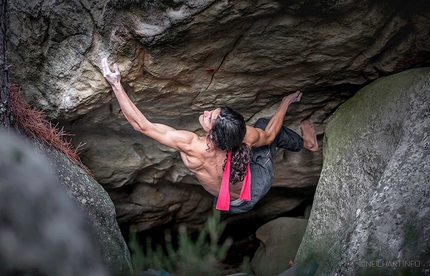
(113,78)
(294,97)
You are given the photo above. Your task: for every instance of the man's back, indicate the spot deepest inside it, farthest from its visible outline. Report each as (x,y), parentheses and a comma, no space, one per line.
(207,162)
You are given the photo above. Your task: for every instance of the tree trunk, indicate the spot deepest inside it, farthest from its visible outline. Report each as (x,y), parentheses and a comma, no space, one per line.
(5,110)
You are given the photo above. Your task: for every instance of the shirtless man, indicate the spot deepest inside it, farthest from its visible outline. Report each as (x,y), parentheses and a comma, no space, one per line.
(205,156)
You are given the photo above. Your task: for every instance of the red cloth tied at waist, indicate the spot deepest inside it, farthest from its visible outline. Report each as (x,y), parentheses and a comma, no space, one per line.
(223,202)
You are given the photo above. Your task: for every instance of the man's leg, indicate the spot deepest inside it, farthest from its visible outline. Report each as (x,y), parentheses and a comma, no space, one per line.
(286,138)
(262,164)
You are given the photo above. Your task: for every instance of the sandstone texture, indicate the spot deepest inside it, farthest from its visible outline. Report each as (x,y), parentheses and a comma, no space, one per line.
(179,58)
(371,212)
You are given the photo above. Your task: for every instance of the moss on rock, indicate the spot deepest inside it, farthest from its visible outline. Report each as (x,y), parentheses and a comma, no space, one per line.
(370,204)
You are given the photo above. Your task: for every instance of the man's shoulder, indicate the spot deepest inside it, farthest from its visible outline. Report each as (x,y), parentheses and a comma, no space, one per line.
(197,145)
(251,135)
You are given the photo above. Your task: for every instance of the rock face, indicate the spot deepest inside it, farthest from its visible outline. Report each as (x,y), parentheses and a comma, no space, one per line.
(98,208)
(178,58)
(280,240)
(42,231)
(371,211)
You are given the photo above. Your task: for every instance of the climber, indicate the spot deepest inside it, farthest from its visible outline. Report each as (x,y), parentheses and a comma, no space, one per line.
(233,161)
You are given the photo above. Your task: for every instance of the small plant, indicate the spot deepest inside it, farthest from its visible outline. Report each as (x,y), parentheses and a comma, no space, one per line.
(201,256)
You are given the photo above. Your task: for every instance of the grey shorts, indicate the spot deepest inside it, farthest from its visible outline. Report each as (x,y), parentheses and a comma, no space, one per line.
(262,164)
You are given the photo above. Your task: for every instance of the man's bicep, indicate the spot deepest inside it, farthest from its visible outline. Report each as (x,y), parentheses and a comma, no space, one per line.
(256,137)
(177,139)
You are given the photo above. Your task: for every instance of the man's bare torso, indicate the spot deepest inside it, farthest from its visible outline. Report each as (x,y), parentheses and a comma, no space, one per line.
(207,165)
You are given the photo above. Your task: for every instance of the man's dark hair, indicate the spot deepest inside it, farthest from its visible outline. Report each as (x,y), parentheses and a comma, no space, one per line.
(228,130)
(227,133)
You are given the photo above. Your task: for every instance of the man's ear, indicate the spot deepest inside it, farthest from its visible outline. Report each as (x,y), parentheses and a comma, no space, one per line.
(210,137)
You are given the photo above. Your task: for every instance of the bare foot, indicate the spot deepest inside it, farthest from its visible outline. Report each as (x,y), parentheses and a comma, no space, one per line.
(294,97)
(309,136)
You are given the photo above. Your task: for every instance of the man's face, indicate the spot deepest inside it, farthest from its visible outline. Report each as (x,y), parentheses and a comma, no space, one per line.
(207,119)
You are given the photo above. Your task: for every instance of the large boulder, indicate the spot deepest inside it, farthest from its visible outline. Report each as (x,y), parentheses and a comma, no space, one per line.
(42,231)
(178,58)
(371,212)
(279,241)
(97,207)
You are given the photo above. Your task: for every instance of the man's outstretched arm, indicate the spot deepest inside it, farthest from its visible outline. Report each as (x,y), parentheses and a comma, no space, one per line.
(166,135)
(256,137)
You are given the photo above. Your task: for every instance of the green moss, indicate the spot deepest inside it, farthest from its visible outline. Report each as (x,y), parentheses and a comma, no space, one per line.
(17,155)
(412,235)
(360,138)
(381,103)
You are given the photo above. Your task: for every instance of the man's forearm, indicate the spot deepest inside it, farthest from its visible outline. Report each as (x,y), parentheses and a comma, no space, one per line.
(129,109)
(277,120)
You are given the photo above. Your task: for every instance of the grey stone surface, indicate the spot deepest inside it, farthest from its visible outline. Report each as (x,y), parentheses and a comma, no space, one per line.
(371,213)
(42,231)
(279,241)
(98,208)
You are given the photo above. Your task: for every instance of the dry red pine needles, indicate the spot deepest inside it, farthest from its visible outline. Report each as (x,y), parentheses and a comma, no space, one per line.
(33,124)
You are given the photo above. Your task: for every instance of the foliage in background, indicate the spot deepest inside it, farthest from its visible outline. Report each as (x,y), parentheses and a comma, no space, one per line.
(201,256)
(33,124)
